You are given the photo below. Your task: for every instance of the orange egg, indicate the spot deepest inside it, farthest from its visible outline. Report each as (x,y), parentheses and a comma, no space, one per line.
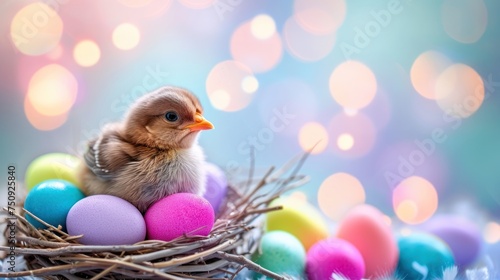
(365,227)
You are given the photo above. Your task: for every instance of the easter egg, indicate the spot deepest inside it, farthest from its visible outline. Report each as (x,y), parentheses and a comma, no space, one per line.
(216,185)
(106,220)
(179,214)
(51,201)
(299,218)
(52,166)
(462,236)
(334,256)
(282,253)
(364,227)
(423,256)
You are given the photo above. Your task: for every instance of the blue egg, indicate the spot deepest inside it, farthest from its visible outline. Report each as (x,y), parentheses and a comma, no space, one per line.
(51,201)
(423,256)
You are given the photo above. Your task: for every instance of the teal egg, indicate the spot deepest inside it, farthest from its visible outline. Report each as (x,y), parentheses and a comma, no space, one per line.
(423,256)
(282,253)
(51,201)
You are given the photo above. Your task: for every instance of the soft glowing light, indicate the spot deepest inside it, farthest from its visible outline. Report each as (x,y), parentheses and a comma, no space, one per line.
(126,36)
(262,27)
(260,55)
(459,91)
(353,85)
(339,193)
(407,210)
(313,134)
(220,99)
(225,86)
(320,16)
(464,20)
(86,53)
(36,29)
(42,122)
(250,84)
(52,90)
(304,45)
(354,136)
(345,141)
(426,70)
(492,232)
(198,4)
(298,196)
(414,200)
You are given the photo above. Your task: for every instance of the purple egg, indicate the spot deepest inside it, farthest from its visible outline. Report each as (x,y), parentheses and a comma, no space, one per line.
(216,185)
(106,220)
(462,236)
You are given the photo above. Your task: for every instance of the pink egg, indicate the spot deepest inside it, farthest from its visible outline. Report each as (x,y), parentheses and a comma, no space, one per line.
(179,214)
(365,228)
(334,255)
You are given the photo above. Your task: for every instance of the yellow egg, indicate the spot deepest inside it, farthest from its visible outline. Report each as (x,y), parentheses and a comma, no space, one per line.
(52,166)
(299,218)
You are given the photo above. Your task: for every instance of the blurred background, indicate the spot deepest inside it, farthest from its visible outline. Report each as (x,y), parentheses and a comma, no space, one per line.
(401,97)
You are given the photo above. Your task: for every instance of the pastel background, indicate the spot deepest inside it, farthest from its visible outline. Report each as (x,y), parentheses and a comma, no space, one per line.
(401,97)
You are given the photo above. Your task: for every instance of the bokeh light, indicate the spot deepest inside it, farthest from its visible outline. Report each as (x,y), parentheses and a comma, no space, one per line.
(197,4)
(259,54)
(492,232)
(352,136)
(414,200)
(36,29)
(40,121)
(464,20)
(312,134)
(353,85)
(86,53)
(305,45)
(425,71)
(298,196)
(339,193)
(345,141)
(126,36)
(52,90)
(460,91)
(263,27)
(226,88)
(250,84)
(320,16)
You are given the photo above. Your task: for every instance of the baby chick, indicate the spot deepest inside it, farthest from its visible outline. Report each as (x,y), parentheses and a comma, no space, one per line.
(152,153)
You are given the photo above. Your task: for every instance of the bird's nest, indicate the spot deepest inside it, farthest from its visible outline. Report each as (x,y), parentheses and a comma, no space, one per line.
(223,254)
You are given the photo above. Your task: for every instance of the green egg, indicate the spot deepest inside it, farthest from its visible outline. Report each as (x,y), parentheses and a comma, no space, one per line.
(281,253)
(52,166)
(423,256)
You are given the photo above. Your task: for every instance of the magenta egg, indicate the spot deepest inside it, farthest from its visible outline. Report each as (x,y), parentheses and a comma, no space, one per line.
(179,214)
(334,255)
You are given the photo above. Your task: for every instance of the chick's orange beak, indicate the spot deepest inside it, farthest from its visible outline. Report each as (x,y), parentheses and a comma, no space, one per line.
(200,124)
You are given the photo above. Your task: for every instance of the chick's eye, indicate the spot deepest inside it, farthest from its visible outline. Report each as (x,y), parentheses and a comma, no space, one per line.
(171,116)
